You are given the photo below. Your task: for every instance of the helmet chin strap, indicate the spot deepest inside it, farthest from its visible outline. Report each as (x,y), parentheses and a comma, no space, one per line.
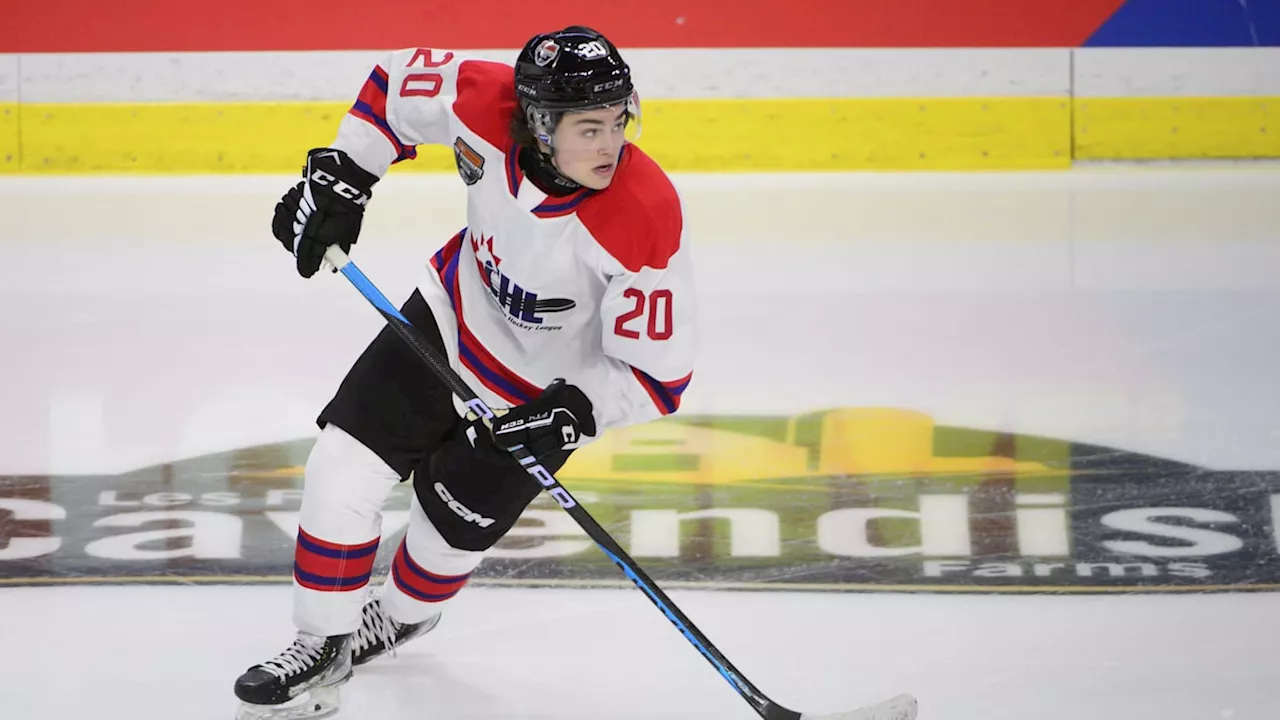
(548,160)
(540,167)
(541,129)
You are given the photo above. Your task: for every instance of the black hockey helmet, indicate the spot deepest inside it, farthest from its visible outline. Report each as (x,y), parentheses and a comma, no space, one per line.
(576,68)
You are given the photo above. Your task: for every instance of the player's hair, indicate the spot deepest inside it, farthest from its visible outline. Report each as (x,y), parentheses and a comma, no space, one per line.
(520,131)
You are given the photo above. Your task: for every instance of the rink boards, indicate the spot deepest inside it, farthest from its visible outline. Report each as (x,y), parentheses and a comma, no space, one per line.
(725,109)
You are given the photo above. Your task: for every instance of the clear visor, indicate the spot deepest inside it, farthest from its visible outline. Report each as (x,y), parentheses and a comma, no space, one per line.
(545,123)
(633,117)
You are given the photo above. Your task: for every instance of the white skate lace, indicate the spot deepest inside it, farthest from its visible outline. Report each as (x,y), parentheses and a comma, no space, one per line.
(297,658)
(376,625)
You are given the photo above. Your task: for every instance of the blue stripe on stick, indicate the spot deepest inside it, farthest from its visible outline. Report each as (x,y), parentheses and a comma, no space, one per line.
(371,293)
(653,596)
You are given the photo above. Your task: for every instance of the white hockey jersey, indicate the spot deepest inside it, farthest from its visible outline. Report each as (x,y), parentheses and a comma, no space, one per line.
(595,287)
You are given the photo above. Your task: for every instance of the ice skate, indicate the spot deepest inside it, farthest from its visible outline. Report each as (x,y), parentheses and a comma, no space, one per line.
(378,633)
(301,682)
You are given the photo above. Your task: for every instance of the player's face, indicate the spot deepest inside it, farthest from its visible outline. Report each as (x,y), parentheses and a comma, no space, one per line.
(587,145)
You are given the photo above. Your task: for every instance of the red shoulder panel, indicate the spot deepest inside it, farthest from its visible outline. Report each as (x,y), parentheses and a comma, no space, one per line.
(637,219)
(487,100)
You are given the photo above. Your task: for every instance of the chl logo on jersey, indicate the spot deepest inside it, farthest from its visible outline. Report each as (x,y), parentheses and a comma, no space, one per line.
(470,162)
(521,305)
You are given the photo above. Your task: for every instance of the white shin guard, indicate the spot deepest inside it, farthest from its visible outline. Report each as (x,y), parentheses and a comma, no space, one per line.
(339,530)
(427,571)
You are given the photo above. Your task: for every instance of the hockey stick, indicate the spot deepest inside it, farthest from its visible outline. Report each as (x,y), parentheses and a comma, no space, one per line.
(902,707)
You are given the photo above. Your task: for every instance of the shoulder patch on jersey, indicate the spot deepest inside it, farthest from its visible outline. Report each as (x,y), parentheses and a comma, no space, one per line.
(470,163)
(487,100)
(637,219)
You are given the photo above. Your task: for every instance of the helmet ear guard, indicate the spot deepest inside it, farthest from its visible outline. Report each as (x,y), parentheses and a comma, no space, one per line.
(541,123)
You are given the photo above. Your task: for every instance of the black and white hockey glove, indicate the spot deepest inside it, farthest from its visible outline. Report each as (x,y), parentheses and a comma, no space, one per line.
(557,418)
(325,209)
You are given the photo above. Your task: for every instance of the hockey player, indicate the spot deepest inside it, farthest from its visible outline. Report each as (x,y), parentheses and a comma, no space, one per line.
(567,299)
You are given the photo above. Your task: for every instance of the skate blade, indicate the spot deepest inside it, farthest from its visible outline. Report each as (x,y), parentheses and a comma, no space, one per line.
(316,703)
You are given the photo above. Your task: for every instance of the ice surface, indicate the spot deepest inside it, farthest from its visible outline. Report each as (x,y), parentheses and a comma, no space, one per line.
(142,652)
(147,320)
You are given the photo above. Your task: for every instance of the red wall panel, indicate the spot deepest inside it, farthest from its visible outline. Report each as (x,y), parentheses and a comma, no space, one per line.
(173,25)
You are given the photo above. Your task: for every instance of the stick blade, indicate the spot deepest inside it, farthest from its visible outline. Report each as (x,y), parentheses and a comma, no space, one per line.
(902,707)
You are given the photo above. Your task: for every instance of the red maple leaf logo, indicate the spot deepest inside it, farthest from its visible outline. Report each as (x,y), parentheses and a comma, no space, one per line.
(487,244)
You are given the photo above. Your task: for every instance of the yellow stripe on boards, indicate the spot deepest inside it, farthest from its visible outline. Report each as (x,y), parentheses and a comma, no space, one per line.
(683,135)
(9,138)
(1177,128)
(859,134)
(174,137)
